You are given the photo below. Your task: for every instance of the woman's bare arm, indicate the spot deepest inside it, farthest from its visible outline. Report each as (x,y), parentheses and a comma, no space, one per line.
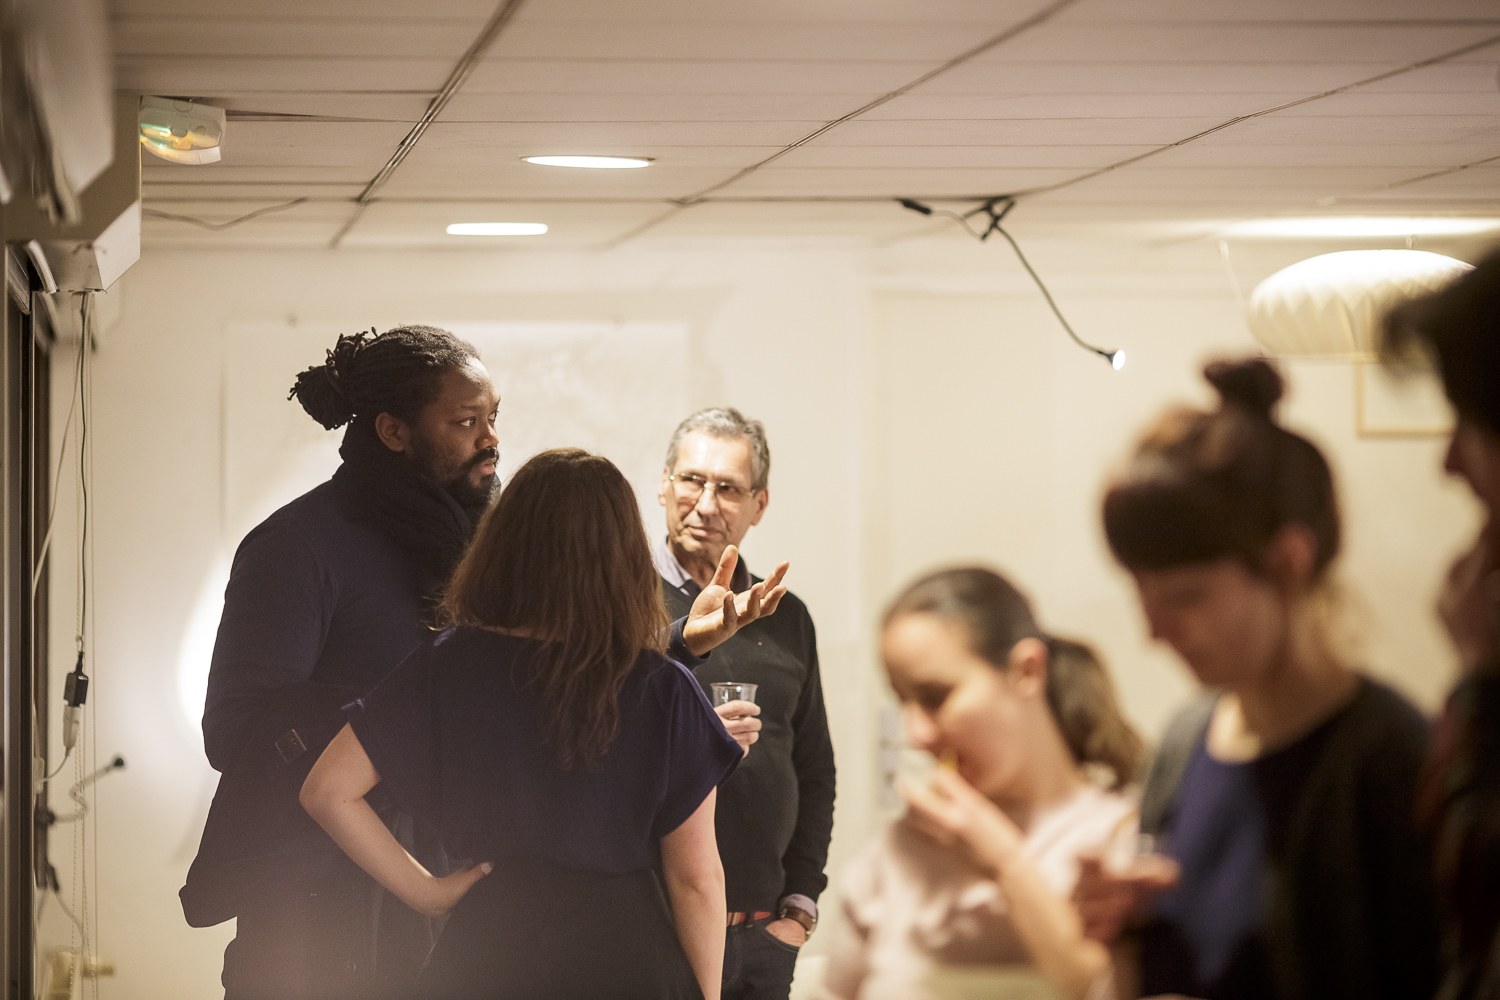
(695,885)
(953,814)
(334,795)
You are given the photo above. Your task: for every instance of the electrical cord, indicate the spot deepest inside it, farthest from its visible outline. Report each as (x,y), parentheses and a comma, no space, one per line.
(995,209)
(219,227)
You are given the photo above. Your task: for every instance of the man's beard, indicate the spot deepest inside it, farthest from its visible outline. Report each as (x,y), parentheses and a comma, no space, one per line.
(457,484)
(469,493)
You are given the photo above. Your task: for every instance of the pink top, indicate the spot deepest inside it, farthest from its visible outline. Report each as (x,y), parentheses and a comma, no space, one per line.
(909,905)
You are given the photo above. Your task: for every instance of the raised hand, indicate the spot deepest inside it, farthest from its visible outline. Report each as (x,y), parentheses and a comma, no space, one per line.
(717,613)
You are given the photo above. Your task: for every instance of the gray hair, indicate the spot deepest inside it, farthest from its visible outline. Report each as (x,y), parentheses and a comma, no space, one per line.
(727,422)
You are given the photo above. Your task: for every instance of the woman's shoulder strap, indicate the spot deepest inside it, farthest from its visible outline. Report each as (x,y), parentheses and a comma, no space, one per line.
(1170,761)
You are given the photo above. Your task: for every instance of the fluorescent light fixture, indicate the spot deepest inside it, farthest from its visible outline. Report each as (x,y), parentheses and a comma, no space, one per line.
(594,162)
(1363,225)
(497,229)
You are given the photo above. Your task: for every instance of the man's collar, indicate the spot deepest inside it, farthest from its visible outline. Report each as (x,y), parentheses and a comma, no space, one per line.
(671,570)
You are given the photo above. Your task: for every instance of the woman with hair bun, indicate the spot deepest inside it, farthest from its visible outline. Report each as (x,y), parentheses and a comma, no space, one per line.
(1285,793)
(979,870)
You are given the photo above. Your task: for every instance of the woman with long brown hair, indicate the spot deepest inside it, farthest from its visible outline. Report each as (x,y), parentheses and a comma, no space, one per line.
(546,736)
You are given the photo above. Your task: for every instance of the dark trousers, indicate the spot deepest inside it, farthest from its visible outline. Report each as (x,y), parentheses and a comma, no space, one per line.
(757,966)
(325,934)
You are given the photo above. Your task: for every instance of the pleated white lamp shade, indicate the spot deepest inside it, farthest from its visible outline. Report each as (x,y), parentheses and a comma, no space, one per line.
(1331,306)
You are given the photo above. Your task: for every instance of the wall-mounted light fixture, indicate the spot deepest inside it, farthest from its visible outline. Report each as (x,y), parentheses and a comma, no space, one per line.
(181,131)
(497,229)
(592,162)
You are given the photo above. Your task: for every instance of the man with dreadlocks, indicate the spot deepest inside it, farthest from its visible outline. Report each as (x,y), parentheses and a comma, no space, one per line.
(325,597)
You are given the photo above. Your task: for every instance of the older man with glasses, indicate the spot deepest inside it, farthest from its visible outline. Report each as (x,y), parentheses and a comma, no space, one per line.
(775,813)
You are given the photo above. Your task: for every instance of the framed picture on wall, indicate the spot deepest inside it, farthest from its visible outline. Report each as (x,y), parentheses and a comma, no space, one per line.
(1387,405)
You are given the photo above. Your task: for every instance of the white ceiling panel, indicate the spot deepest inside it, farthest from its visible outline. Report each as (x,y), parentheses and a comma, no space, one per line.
(431,37)
(639,137)
(516,75)
(1357,104)
(1215,151)
(1444,78)
(509,179)
(162,194)
(294,11)
(1397,44)
(161,172)
(958,157)
(1282,10)
(397,107)
(823,41)
(324,144)
(795,11)
(1156,78)
(1406,129)
(1018,132)
(1320,179)
(896,182)
(198,75)
(993,107)
(651,108)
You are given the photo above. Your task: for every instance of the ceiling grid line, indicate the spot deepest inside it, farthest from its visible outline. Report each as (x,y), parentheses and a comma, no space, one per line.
(1240,119)
(456,79)
(1040,17)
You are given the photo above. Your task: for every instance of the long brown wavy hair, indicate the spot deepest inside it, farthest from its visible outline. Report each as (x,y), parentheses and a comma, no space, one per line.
(563,557)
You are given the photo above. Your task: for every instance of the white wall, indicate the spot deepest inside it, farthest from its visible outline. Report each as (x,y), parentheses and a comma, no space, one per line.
(922,407)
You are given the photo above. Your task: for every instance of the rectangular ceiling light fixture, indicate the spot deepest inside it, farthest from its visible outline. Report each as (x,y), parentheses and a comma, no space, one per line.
(497,229)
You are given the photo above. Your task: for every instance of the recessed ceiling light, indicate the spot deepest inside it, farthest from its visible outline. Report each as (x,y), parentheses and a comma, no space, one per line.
(1363,225)
(595,162)
(497,229)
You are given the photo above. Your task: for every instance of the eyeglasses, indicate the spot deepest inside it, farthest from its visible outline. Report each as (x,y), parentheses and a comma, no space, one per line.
(690,489)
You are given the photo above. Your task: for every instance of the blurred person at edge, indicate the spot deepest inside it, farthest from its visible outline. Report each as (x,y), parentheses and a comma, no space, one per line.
(547,737)
(325,597)
(775,814)
(980,869)
(1459,329)
(1285,794)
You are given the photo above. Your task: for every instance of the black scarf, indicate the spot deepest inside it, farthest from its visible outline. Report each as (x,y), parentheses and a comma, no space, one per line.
(378,486)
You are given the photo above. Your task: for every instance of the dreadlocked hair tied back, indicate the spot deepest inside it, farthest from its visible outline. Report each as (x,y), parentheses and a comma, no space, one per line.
(1206,485)
(365,374)
(563,556)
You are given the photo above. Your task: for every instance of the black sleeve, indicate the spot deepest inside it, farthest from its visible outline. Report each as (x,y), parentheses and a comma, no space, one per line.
(1403,899)
(812,757)
(677,646)
(277,611)
(399,728)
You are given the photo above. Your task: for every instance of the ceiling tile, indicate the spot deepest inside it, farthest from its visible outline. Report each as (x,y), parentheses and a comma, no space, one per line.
(198,75)
(406,38)
(522,75)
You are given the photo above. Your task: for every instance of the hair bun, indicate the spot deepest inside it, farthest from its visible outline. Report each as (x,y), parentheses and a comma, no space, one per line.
(320,389)
(1252,384)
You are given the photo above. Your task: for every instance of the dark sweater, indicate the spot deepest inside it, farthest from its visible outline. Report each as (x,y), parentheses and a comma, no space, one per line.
(1350,911)
(775,813)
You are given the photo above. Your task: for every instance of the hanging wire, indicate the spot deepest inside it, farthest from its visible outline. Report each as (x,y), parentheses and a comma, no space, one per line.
(995,209)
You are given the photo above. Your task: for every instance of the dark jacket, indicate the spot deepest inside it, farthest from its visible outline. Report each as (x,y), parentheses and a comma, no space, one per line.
(1351,911)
